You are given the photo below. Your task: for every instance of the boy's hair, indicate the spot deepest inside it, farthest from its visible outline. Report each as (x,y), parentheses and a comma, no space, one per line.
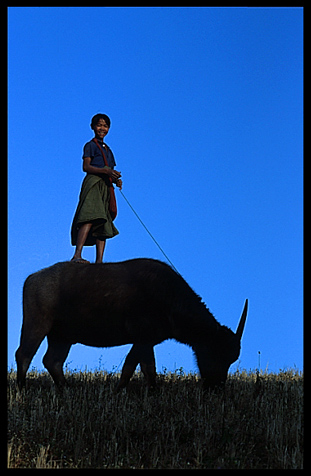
(97,117)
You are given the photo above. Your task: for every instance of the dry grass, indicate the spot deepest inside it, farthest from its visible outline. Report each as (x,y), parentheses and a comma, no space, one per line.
(256,423)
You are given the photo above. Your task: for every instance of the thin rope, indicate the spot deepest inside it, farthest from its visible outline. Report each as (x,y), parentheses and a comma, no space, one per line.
(150,234)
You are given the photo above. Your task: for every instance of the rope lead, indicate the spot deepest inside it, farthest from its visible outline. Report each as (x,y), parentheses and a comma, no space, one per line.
(150,234)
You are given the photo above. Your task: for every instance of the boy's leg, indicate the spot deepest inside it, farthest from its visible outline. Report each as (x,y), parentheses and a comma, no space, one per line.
(100,248)
(81,238)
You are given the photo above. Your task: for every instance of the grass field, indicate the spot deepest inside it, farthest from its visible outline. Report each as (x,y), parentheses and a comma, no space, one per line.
(257,422)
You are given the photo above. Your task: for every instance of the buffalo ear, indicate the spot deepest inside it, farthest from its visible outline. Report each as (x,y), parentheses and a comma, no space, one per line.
(241,325)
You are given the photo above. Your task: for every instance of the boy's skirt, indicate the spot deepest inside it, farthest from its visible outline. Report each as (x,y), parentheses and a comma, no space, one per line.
(93,207)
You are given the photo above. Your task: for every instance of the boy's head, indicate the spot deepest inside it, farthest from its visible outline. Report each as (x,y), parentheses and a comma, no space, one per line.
(100,124)
(97,117)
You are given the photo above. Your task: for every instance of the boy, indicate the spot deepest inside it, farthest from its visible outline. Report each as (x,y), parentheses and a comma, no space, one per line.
(93,220)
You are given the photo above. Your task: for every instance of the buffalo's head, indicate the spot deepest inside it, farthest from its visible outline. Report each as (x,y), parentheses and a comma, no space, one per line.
(215,357)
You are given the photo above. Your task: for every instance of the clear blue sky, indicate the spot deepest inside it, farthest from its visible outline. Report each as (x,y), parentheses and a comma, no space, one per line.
(206,107)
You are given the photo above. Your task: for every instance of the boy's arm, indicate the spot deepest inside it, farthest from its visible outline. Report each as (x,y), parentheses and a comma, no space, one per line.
(90,169)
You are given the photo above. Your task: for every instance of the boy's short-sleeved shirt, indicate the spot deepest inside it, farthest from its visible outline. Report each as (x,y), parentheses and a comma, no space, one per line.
(91,150)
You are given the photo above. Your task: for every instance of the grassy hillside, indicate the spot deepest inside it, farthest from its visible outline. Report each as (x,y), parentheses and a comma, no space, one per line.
(257,422)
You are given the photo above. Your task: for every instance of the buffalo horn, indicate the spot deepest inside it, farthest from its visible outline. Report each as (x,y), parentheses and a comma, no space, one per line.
(241,325)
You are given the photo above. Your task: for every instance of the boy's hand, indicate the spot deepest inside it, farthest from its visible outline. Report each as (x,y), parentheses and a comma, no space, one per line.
(113,174)
(119,183)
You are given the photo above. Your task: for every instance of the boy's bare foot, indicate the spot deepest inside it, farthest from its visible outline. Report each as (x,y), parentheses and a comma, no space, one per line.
(79,260)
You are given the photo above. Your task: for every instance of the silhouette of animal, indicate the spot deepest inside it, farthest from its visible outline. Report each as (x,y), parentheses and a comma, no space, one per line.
(139,301)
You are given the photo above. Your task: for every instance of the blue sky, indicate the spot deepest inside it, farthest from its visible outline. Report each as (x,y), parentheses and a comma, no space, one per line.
(206,107)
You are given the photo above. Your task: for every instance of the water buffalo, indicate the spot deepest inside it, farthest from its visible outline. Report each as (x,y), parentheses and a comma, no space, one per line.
(139,301)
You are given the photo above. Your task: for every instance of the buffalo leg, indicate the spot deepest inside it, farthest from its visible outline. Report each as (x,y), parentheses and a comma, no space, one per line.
(28,347)
(147,365)
(128,368)
(54,359)
(143,354)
